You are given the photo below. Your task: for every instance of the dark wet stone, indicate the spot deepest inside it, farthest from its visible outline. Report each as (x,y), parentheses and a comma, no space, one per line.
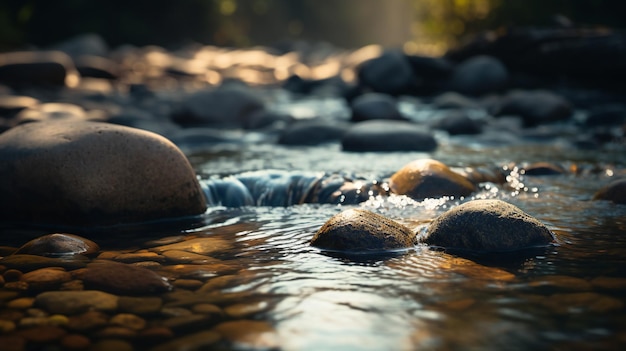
(457,122)
(312,132)
(374,106)
(121,278)
(37,68)
(487,226)
(390,73)
(431,72)
(387,136)
(42,334)
(453,100)
(75,342)
(543,169)
(197,341)
(479,75)
(224,107)
(59,244)
(357,230)
(93,173)
(140,305)
(614,191)
(428,178)
(86,321)
(606,115)
(534,107)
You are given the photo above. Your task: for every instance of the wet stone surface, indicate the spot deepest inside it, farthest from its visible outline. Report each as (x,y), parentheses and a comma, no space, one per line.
(221,228)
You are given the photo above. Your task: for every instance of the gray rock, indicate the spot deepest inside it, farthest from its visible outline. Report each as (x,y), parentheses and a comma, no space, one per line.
(93,173)
(387,136)
(479,75)
(358,230)
(37,68)
(223,107)
(428,178)
(457,122)
(487,226)
(390,73)
(614,191)
(74,302)
(534,107)
(374,106)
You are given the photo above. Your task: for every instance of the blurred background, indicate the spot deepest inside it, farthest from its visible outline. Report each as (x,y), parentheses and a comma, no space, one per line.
(418,26)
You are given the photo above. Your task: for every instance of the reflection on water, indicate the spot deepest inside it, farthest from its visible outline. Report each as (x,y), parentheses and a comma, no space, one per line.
(570,295)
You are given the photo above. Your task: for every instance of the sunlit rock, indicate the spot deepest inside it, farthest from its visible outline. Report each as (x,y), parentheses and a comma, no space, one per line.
(614,191)
(374,106)
(428,178)
(357,230)
(387,136)
(93,173)
(487,226)
(73,302)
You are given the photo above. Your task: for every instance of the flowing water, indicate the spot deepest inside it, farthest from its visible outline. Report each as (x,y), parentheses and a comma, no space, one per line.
(569,296)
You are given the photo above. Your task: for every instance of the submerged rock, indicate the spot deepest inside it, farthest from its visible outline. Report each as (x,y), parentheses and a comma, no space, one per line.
(93,173)
(357,230)
(479,75)
(390,73)
(74,302)
(614,191)
(428,178)
(534,107)
(487,226)
(121,278)
(374,106)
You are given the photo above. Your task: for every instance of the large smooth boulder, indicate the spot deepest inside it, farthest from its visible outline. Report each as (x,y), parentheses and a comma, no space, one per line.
(426,178)
(84,173)
(358,230)
(487,226)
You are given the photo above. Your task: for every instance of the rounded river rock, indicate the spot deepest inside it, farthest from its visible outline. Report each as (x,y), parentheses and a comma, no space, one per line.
(487,226)
(93,173)
(358,230)
(426,178)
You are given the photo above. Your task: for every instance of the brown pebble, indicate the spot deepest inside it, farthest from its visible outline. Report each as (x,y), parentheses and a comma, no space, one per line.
(129,321)
(156,334)
(46,278)
(59,244)
(121,278)
(75,342)
(116,332)
(140,305)
(87,321)
(112,344)
(243,310)
(1,281)
(139,257)
(19,286)
(42,334)
(12,342)
(21,303)
(190,284)
(207,308)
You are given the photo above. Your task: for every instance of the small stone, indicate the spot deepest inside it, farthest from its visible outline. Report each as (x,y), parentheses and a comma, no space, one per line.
(249,334)
(12,342)
(42,334)
(6,326)
(30,322)
(59,244)
(58,320)
(487,226)
(74,302)
(183,323)
(75,342)
(245,310)
(197,341)
(28,263)
(12,275)
(542,169)
(155,334)
(207,308)
(22,303)
(387,136)
(120,278)
(87,321)
(614,192)
(140,305)
(457,122)
(112,344)
(479,75)
(139,257)
(201,246)
(312,132)
(189,284)
(428,178)
(180,256)
(129,321)
(115,332)
(46,278)
(18,286)
(357,230)
(534,107)
(390,73)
